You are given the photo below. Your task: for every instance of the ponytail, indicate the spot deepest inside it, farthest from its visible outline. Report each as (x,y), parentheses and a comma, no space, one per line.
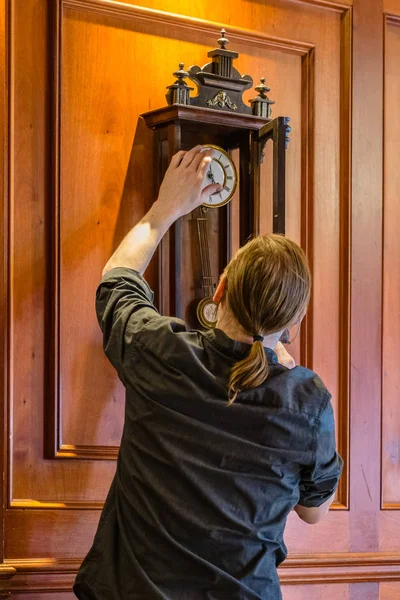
(268,285)
(249,372)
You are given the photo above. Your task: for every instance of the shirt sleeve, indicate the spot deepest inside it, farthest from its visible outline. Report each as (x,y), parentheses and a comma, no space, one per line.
(320,480)
(124,305)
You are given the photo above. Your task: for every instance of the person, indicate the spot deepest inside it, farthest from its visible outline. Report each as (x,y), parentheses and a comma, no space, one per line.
(223,435)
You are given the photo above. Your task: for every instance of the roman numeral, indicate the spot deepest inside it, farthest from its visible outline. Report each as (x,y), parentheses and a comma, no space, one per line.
(229,177)
(226,188)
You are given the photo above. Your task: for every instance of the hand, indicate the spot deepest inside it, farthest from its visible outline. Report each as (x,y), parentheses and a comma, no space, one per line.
(284,357)
(184,187)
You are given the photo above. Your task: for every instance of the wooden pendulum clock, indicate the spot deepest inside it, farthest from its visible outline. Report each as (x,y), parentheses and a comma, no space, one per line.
(218,119)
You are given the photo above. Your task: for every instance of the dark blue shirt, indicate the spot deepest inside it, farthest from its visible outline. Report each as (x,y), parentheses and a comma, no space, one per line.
(198,505)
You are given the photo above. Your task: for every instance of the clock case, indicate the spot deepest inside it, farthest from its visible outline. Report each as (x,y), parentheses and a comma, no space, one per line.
(217,116)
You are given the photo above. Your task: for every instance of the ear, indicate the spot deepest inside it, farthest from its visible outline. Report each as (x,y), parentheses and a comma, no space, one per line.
(220,291)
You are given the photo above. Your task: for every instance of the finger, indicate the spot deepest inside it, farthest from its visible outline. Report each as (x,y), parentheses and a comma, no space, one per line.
(282,351)
(197,161)
(211,189)
(190,155)
(176,159)
(203,165)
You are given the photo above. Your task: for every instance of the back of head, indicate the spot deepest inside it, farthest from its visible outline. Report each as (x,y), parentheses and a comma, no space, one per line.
(268,289)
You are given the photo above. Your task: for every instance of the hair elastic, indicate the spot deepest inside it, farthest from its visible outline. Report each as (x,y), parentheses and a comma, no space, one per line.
(258,338)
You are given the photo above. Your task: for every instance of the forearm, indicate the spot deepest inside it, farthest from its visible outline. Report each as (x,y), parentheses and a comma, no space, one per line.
(313,515)
(138,247)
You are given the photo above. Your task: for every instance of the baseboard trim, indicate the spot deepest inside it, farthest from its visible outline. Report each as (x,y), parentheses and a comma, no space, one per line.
(51,576)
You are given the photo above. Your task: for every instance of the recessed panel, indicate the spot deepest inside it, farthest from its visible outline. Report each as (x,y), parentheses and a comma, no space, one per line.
(391,275)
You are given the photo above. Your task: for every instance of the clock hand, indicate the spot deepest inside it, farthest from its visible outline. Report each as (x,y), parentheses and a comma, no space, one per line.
(211,176)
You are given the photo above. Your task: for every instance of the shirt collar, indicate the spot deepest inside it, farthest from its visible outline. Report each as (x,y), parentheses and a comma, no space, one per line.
(237,349)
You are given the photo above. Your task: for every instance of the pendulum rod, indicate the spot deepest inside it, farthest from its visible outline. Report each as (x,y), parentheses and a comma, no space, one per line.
(202,231)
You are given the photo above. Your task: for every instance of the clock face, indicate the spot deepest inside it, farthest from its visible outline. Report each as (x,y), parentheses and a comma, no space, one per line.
(207,312)
(221,170)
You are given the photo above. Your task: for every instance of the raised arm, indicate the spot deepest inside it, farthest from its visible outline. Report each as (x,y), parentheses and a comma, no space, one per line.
(182,190)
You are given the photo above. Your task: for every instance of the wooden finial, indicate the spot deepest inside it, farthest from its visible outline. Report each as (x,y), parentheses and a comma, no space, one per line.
(262,89)
(261,104)
(223,40)
(181,74)
(179,92)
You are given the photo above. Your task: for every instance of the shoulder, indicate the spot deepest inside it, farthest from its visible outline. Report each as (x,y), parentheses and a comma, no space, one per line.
(301,390)
(169,338)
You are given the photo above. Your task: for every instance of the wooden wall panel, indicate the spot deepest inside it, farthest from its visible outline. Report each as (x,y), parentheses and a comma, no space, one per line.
(366,230)
(389,591)
(89,386)
(78,180)
(93,131)
(391,273)
(316,592)
(89,214)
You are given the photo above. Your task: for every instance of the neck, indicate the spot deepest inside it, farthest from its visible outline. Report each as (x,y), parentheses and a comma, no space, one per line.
(233,330)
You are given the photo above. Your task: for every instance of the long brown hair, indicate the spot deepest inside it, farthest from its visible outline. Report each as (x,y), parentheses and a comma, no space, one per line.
(268,289)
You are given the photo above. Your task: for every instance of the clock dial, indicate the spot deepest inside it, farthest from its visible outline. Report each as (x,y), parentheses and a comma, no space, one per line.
(221,170)
(207,312)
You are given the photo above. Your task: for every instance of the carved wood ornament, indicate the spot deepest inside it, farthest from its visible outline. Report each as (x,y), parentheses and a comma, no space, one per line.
(215,117)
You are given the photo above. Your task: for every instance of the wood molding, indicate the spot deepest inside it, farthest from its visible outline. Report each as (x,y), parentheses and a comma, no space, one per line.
(5,259)
(52,422)
(345,251)
(307,226)
(390,506)
(389,19)
(55,446)
(6,573)
(307,193)
(341,567)
(43,575)
(88,452)
(328,4)
(68,505)
(93,505)
(392,19)
(134,13)
(115,8)
(66,451)
(46,575)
